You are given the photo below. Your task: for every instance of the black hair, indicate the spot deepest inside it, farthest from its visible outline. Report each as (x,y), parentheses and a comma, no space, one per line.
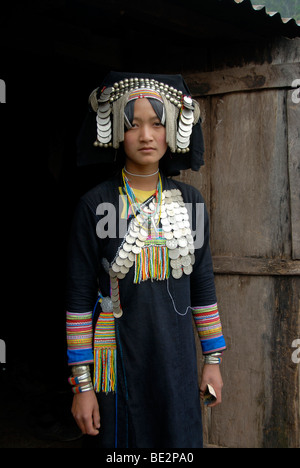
(158,108)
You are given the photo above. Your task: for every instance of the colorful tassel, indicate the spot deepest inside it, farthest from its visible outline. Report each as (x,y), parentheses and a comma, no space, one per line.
(152,262)
(105,369)
(105,354)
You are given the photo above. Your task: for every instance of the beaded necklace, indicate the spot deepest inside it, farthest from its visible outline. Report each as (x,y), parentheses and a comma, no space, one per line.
(138,211)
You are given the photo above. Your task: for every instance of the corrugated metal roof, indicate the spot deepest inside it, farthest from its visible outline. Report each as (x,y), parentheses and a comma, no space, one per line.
(239,16)
(263,10)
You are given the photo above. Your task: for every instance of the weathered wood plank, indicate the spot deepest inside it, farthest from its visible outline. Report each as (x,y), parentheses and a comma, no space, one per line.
(260,402)
(255,266)
(246,307)
(282,424)
(232,80)
(250,212)
(293,114)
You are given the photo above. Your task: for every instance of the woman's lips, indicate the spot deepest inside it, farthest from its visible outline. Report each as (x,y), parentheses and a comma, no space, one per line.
(146,149)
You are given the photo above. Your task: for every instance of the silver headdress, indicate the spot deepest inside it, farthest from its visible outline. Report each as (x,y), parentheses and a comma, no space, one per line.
(181,111)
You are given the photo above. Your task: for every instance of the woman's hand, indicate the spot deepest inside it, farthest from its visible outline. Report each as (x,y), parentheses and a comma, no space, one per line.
(85,410)
(211,375)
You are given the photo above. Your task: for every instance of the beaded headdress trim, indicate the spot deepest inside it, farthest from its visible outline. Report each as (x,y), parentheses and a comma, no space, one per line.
(144,93)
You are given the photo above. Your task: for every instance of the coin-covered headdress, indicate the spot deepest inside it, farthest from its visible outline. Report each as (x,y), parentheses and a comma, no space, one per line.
(103,130)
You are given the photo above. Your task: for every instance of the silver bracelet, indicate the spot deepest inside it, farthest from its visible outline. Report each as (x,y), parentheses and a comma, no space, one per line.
(83,378)
(81,375)
(80,369)
(83,388)
(213,358)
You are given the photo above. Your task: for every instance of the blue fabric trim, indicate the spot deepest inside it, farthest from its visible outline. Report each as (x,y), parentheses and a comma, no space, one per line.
(213,344)
(84,356)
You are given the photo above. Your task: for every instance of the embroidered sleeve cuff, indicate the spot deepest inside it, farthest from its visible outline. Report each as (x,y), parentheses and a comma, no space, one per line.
(209,328)
(79,338)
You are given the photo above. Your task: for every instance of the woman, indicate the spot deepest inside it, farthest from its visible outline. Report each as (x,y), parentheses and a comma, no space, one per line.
(140,270)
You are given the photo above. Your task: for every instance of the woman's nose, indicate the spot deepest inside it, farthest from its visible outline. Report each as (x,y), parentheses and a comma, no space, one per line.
(146,134)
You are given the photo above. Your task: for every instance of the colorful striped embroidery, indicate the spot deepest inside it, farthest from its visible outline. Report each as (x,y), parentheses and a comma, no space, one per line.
(209,328)
(79,337)
(105,353)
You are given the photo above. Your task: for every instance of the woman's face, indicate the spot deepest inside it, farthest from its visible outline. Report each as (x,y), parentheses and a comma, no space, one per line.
(144,143)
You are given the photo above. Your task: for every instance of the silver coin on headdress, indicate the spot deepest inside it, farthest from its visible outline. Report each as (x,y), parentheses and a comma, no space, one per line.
(105,95)
(103,113)
(103,123)
(104,139)
(182,145)
(187,119)
(188,102)
(184,130)
(187,113)
(103,135)
(104,107)
(182,139)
